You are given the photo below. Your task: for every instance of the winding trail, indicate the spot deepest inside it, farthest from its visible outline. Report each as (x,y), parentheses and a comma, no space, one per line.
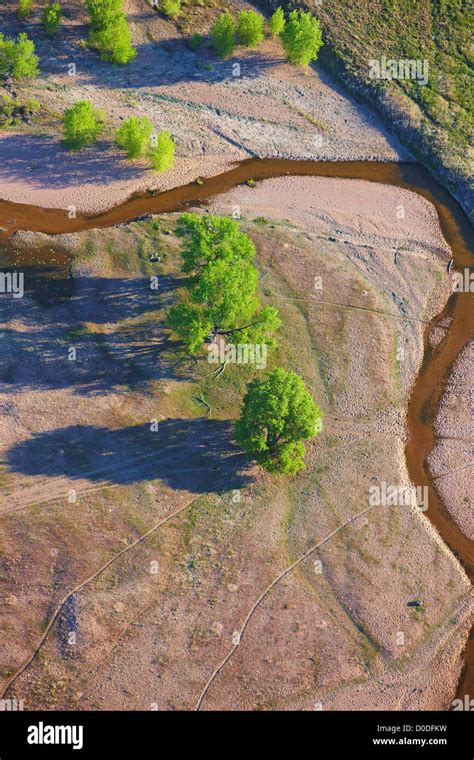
(82,585)
(265,593)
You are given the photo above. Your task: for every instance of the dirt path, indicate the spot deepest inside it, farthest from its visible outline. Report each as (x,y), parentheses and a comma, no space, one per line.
(239,634)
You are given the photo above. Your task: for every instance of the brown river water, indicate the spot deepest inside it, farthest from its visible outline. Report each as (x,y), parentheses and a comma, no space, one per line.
(437,362)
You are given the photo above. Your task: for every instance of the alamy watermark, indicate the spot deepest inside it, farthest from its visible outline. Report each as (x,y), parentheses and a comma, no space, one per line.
(386,495)
(12,283)
(415,69)
(238,353)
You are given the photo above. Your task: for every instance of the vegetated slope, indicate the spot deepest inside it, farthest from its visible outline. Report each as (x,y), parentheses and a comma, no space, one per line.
(436,120)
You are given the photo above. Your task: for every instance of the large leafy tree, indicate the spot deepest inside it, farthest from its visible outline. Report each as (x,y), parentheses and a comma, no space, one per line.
(301,38)
(222,285)
(277,415)
(207,238)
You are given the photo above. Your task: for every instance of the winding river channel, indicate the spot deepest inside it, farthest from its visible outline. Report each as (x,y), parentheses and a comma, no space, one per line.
(437,362)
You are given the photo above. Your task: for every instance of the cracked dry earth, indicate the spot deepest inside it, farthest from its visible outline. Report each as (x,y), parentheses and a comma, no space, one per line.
(151,629)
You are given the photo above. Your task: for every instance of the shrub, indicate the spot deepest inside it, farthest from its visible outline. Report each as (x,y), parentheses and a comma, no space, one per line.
(171,8)
(51,17)
(18,60)
(134,135)
(110,33)
(277,415)
(13,111)
(223,35)
(276,22)
(104,13)
(24,8)
(250,28)
(301,38)
(161,152)
(195,41)
(114,42)
(82,124)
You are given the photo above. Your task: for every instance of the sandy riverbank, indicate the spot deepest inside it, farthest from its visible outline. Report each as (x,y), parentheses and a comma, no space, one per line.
(451,460)
(217,118)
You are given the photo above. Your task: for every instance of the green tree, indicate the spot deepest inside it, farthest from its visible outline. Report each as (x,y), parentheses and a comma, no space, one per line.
(222,285)
(301,38)
(161,151)
(24,8)
(104,13)
(51,17)
(250,28)
(276,22)
(114,42)
(171,8)
(110,32)
(82,123)
(277,415)
(18,60)
(134,136)
(207,237)
(223,35)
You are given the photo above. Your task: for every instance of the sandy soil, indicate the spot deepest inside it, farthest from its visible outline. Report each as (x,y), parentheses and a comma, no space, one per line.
(451,460)
(270,109)
(342,638)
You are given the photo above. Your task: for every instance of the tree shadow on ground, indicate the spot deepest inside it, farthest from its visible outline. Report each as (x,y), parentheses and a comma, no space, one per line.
(44,162)
(194,455)
(115,326)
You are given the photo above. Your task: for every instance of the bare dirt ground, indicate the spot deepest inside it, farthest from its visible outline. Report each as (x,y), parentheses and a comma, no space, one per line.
(219,112)
(83,475)
(451,460)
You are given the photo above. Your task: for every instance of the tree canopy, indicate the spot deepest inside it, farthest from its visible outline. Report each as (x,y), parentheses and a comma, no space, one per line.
(221,290)
(301,38)
(276,22)
(110,32)
(223,35)
(82,123)
(51,17)
(250,28)
(278,414)
(18,59)
(133,135)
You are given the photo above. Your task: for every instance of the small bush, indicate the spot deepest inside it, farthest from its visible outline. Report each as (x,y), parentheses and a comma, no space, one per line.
(161,152)
(13,111)
(51,17)
(223,35)
(195,41)
(114,42)
(250,28)
(134,135)
(18,60)
(104,13)
(302,38)
(171,8)
(82,124)
(276,22)
(24,8)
